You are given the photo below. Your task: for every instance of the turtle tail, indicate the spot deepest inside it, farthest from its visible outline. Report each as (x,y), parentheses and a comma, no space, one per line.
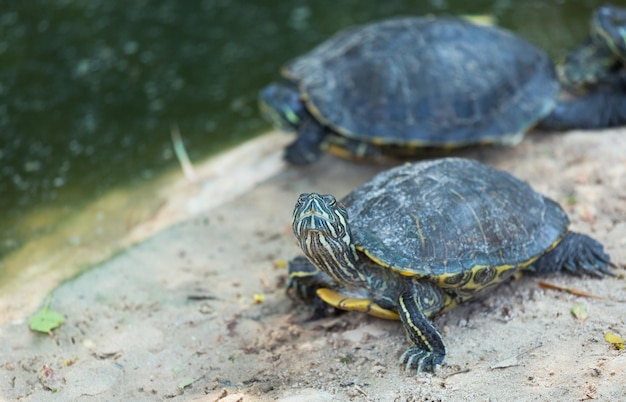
(576,254)
(596,110)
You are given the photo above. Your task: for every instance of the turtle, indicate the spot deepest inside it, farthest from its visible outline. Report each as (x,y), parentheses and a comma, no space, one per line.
(418,239)
(595,72)
(394,87)
(602,57)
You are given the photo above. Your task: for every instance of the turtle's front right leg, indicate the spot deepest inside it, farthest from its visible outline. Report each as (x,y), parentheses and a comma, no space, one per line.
(414,307)
(304,281)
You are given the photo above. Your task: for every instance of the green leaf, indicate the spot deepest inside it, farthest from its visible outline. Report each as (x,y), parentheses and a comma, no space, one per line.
(571,200)
(580,312)
(45,320)
(186,383)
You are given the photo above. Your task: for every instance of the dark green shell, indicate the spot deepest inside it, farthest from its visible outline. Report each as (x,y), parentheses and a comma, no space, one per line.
(451,216)
(423,81)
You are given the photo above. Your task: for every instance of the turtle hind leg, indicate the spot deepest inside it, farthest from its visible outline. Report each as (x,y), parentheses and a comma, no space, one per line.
(577,254)
(307,148)
(429,349)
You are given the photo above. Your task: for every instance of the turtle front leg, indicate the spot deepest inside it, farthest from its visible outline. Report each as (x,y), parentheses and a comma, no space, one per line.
(414,307)
(304,281)
(307,148)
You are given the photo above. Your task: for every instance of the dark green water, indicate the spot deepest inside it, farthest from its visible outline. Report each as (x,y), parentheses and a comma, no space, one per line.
(90,88)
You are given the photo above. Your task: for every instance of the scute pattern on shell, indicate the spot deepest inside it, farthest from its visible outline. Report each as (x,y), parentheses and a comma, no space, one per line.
(450,215)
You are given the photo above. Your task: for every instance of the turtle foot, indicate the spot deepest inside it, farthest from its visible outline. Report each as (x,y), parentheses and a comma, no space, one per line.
(420,359)
(303,280)
(296,154)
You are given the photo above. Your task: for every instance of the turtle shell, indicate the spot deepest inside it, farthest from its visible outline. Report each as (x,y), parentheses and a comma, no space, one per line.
(452,216)
(427,82)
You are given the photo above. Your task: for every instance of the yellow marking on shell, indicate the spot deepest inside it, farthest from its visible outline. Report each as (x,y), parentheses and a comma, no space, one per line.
(501,255)
(415,329)
(419,230)
(528,262)
(476,218)
(343,302)
(378,261)
(457,194)
(419,143)
(480,225)
(553,245)
(402,271)
(471,286)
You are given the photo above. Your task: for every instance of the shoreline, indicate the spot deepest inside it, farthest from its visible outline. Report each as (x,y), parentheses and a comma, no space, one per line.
(126,216)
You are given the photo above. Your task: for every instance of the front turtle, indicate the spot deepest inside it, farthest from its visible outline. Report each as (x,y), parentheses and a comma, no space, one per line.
(418,239)
(395,86)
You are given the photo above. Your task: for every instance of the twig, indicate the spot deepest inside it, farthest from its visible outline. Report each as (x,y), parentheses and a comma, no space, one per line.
(576,292)
(360,390)
(181,154)
(456,372)
(513,360)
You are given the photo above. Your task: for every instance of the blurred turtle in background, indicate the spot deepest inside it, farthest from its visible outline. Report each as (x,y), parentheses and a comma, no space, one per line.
(396,86)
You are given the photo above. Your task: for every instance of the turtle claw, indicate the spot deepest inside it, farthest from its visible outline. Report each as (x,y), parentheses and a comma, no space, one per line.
(300,291)
(304,280)
(420,359)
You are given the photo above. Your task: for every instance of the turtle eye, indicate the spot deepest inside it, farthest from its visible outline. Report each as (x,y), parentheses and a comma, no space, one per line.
(301,199)
(330,200)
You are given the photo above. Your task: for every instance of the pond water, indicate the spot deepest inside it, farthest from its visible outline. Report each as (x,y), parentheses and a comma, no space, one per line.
(90,89)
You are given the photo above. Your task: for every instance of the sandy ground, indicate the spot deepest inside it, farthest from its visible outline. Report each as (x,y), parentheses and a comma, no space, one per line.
(198,311)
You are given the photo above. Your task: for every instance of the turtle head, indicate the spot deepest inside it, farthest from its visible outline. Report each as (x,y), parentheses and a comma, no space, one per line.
(320,224)
(281,104)
(588,64)
(602,54)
